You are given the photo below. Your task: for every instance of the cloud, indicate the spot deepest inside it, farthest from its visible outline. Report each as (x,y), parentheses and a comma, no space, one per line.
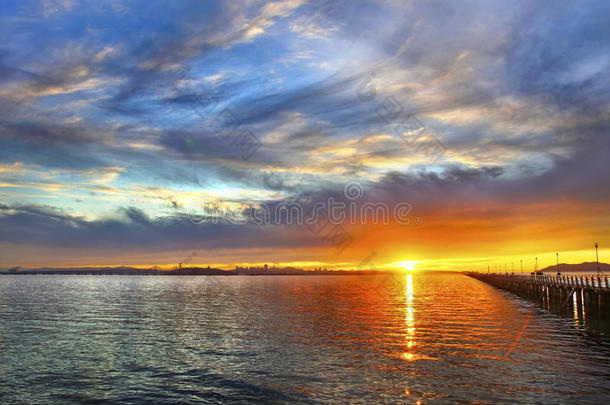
(270,12)
(133,229)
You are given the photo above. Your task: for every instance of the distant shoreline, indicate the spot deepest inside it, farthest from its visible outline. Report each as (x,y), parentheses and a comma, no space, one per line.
(195,271)
(587,267)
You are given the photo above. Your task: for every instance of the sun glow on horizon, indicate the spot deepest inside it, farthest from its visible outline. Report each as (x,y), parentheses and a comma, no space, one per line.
(408,265)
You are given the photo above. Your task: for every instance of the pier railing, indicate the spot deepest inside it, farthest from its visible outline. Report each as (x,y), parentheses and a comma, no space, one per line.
(569,280)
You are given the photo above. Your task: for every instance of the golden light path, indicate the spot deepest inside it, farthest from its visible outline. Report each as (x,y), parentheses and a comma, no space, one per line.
(409,319)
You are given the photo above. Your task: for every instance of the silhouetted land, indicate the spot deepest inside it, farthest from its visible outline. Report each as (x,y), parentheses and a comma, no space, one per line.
(586,267)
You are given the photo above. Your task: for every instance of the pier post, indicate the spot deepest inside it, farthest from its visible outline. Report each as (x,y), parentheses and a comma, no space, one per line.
(579,304)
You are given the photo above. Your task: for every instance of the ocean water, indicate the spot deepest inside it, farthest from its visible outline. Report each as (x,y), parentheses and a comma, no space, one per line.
(432,338)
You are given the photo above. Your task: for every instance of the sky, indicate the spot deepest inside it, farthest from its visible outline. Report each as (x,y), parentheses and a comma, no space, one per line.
(153,132)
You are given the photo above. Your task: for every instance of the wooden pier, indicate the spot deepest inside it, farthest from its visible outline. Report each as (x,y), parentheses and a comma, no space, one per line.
(586,297)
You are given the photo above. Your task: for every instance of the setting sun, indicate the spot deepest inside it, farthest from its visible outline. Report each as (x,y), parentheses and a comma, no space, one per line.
(407,264)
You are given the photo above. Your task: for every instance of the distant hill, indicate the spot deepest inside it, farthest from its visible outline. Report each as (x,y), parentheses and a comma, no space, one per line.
(586,267)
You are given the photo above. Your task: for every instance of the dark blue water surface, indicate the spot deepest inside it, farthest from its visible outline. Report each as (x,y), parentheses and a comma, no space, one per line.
(434,338)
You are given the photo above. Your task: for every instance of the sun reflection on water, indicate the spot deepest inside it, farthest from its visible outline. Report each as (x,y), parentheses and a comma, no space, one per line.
(409,319)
